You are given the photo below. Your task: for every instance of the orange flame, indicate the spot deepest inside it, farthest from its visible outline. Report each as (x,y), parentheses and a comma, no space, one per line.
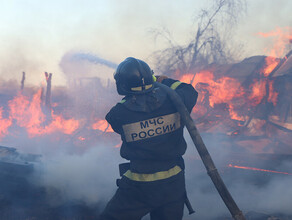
(234,115)
(29,115)
(118,145)
(271,63)
(81,138)
(257,169)
(4,124)
(103,126)
(222,90)
(258,91)
(281,37)
(66,126)
(273,96)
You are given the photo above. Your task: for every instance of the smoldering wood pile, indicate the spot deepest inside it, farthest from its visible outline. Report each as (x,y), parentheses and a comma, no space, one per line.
(267,127)
(20,198)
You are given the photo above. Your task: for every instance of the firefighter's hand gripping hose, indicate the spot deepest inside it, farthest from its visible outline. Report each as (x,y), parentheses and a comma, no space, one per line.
(203,152)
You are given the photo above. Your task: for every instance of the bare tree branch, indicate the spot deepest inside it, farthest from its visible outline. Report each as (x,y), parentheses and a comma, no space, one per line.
(208,45)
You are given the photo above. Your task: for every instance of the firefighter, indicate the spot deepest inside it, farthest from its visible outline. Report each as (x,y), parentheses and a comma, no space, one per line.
(151,130)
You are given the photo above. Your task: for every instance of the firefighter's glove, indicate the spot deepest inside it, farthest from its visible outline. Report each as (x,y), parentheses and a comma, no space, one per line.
(160,78)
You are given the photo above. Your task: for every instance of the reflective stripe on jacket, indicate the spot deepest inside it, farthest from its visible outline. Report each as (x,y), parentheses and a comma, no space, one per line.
(153,176)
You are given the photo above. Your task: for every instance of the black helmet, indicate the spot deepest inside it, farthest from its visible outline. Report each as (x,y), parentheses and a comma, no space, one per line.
(133,76)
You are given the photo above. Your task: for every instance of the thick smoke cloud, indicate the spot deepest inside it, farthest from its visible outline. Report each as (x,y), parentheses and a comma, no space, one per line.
(254,191)
(89,177)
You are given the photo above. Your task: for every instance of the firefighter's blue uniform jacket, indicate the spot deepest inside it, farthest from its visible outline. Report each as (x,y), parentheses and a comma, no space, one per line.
(152,133)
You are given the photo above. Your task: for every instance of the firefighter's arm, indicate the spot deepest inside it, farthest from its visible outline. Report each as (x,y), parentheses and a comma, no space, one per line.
(186,91)
(112,120)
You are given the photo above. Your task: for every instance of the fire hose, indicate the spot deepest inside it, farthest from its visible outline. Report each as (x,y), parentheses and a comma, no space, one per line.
(203,152)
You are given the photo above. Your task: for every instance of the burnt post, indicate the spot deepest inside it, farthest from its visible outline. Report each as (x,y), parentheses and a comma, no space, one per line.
(22,81)
(48,91)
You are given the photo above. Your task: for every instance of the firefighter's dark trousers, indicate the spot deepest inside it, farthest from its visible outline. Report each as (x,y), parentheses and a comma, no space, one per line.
(163,199)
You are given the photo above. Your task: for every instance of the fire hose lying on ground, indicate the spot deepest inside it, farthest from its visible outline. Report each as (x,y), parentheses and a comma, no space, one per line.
(204,154)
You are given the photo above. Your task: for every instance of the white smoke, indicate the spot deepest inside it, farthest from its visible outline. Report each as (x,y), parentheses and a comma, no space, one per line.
(253,191)
(89,177)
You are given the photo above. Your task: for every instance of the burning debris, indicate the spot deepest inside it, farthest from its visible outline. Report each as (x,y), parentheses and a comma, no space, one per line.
(14,163)
(22,196)
(243,102)
(15,171)
(237,99)
(258,169)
